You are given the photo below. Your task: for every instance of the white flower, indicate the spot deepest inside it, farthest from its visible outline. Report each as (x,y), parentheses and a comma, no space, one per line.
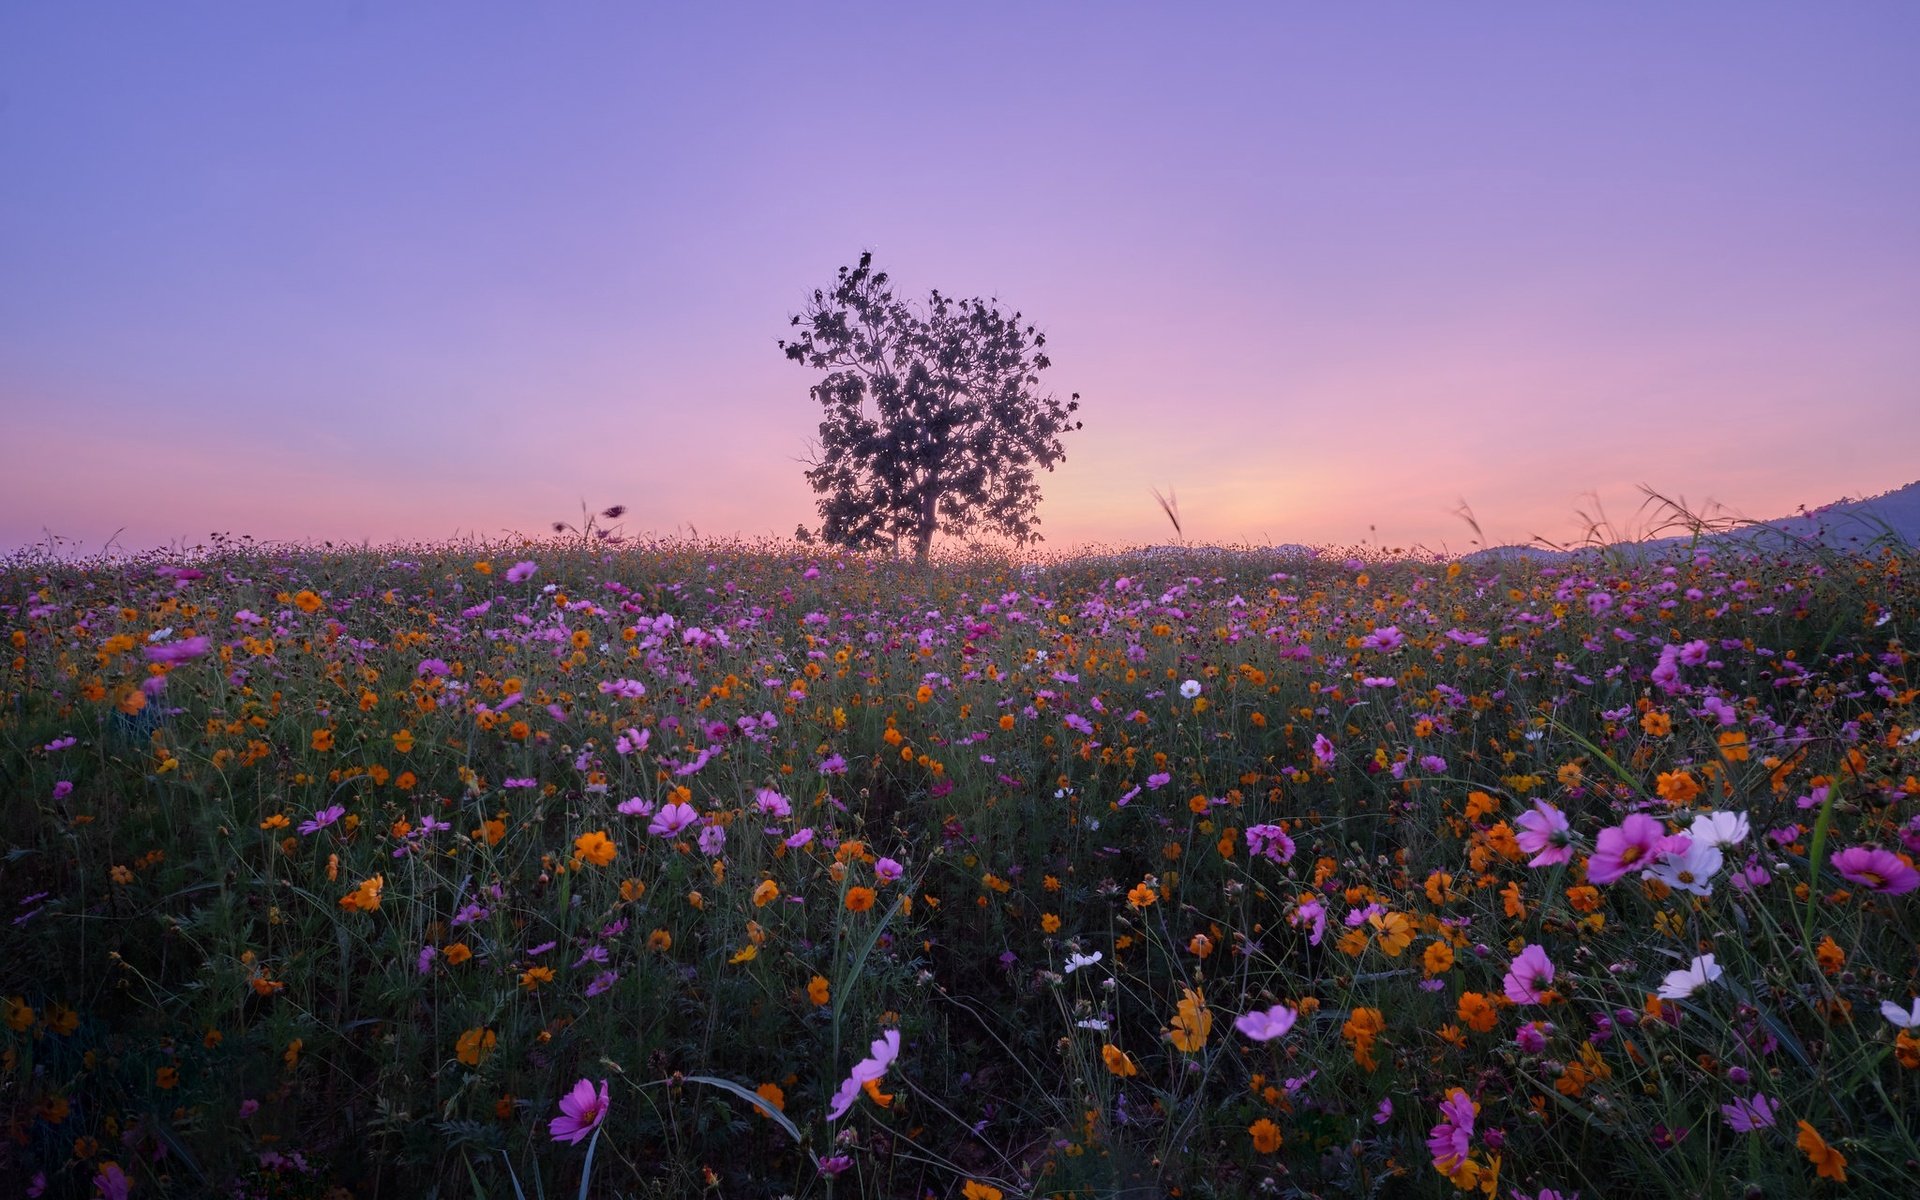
(1093,1023)
(160,635)
(1904,1018)
(1076,961)
(1719,828)
(1681,984)
(1692,871)
(1190,689)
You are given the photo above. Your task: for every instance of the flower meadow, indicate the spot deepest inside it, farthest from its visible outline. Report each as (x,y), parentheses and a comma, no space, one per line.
(752,870)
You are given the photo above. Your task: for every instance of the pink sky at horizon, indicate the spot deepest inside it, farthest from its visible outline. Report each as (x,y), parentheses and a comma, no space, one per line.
(363,274)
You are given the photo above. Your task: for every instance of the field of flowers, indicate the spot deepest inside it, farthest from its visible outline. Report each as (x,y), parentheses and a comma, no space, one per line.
(750,871)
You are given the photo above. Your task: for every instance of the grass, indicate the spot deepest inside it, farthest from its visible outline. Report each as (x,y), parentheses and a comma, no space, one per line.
(344,899)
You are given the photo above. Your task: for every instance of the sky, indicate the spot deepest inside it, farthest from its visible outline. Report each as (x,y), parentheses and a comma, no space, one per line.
(403,273)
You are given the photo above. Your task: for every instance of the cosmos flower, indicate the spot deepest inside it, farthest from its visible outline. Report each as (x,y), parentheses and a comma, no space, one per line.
(1683,983)
(1264,1026)
(1877,870)
(1544,834)
(581,1112)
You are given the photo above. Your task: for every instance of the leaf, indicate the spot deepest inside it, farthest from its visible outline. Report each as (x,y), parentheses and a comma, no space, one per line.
(754,1098)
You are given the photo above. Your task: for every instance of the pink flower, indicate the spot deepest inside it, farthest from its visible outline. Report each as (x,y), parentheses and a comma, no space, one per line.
(1543,834)
(1452,1138)
(671,819)
(1270,841)
(1624,847)
(1322,750)
(885,1049)
(179,652)
(581,1112)
(1747,1115)
(1265,1026)
(1876,869)
(521,572)
(1530,975)
(112,1183)
(1311,913)
(887,870)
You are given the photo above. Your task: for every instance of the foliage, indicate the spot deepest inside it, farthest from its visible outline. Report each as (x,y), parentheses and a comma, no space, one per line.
(932,420)
(1205,871)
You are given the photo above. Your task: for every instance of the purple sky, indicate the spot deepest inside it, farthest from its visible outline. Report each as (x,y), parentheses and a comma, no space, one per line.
(377,271)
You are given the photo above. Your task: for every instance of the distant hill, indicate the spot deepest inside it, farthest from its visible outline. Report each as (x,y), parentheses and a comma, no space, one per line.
(1845,524)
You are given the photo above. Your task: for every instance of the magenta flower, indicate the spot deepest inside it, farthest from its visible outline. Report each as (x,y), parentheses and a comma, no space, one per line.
(1269,841)
(323,818)
(1747,1115)
(1630,845)
(1158,780)
(581,1112)
(1268,1025)
(887,870)
(1529,976)
(1877,870)
(520,572)
(1322,750)
(1452,1138)
(1544,834)
(179,652)
(671,819)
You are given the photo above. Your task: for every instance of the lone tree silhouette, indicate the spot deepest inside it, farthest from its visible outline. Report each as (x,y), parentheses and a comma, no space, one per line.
(933,421)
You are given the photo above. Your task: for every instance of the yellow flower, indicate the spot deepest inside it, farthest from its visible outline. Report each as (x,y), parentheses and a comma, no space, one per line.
(474,1045)
(596,847)
(1192,1022)
(745,954)
(1117,1060)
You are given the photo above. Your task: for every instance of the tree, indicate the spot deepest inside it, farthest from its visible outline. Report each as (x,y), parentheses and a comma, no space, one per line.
(933,421)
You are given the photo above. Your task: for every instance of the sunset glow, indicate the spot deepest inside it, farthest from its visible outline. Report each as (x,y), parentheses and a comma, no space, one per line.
(322,272)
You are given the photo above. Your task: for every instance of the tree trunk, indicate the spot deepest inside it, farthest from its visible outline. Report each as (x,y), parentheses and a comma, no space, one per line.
(923,535)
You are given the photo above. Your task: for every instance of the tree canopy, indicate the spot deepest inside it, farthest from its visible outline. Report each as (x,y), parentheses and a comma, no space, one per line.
(933,422)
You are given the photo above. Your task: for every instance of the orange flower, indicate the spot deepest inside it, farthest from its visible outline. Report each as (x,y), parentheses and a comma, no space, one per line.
(1438,958)
(979,1191)
(533,977)
(403,740)
(1677,786)
(519,731)
(1192,1022)
(859,899)
(474,1045)
(596,847)
(817,990)
(1361,1029)
(322,740)
(1477,1011)
(660,940)
(1733,746)
(1141,895)
(366,897)
(1395,932)
(306,601)
(1118,1061)
(1266,1135)
(773,1095)
(457,953)
(1830,956)
(167,1078)
(1828,1162)
(766,893)
(1657,724)
(1049,923)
